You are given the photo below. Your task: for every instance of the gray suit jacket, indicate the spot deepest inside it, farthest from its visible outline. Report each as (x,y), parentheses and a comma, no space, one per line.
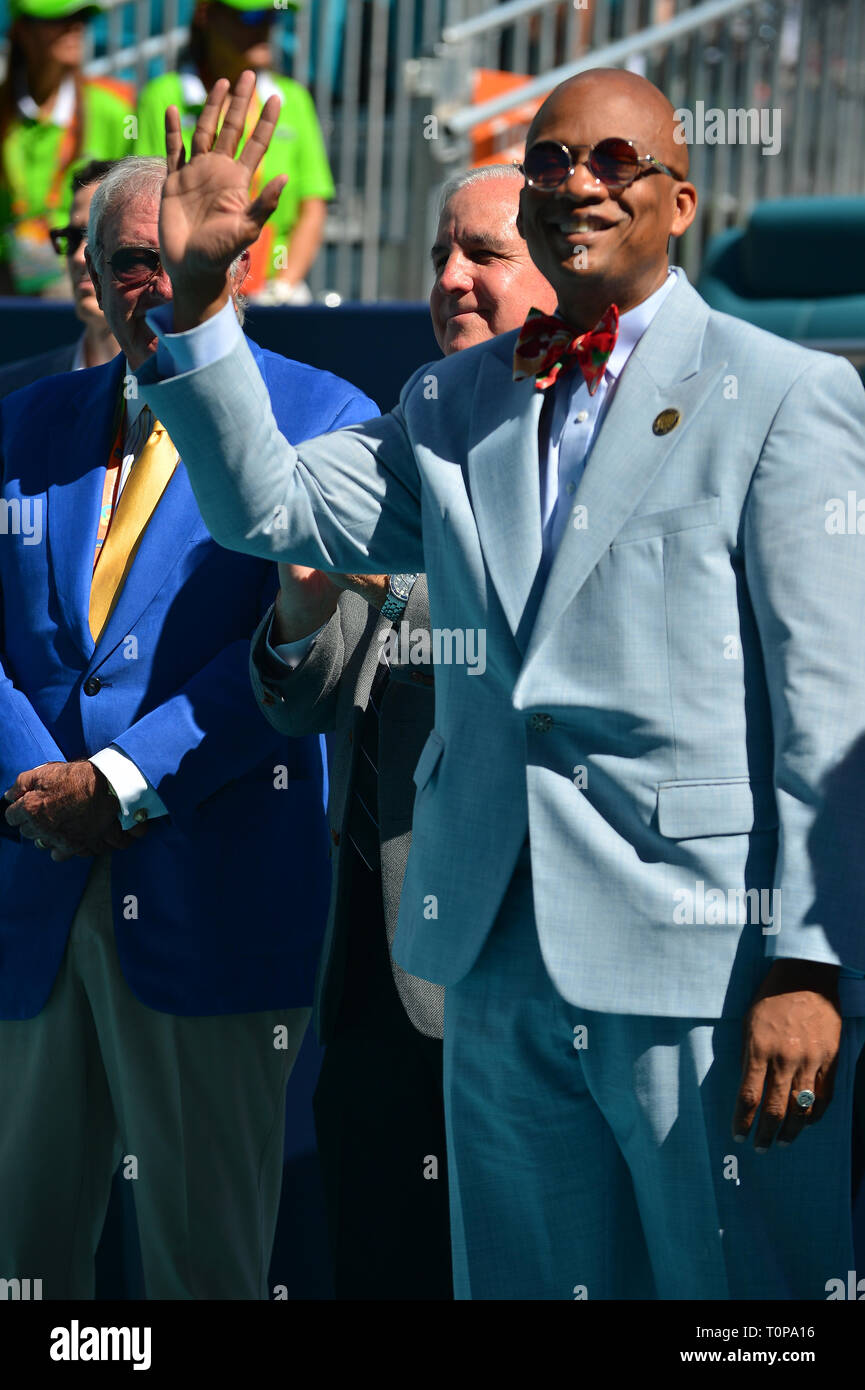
(664,711)
(328,692)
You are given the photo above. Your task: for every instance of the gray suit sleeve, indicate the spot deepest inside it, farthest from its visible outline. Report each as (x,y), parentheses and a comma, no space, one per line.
(301,700)
(348,501)
(807,589)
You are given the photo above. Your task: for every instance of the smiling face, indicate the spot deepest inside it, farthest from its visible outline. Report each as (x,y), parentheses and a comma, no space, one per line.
(485,280)
(132,224)
(624,231)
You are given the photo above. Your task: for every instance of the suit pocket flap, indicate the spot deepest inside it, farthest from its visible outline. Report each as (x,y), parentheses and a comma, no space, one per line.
(426,763)
(732,806)
(702,513)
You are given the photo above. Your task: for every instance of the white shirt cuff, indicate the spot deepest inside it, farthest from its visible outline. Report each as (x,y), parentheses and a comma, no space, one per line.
(134,792)
(291,654)
(197,347)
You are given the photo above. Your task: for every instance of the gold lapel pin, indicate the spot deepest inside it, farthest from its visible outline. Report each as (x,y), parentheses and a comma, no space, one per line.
(666,421)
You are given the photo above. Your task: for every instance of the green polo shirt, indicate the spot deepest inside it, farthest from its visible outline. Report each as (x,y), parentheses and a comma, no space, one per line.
(30,189)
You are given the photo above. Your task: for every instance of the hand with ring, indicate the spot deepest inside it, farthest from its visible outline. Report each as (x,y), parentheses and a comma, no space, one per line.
(790,1055)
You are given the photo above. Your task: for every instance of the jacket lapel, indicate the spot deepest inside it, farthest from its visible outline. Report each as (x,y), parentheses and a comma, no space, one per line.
(504,481)
(174,524)
(73,518)
(663,372)
(163,544)
(75,499)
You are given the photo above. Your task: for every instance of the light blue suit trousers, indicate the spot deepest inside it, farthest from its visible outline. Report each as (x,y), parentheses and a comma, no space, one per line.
(591,1155)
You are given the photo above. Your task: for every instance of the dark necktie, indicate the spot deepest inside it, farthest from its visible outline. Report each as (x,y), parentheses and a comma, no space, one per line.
(363,825)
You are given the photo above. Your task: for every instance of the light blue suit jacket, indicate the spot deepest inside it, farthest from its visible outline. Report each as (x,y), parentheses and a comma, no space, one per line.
(661,715)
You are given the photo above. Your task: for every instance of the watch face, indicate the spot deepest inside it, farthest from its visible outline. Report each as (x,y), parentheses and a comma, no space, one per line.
(400,584)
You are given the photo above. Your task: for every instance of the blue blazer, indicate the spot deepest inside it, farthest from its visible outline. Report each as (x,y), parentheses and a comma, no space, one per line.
(221,907)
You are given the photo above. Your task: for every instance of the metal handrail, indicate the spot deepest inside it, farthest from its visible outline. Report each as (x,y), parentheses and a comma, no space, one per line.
(488,23)
(611,55)
(137,53)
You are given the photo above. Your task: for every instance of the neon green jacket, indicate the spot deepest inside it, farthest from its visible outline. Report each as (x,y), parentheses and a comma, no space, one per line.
(32,186)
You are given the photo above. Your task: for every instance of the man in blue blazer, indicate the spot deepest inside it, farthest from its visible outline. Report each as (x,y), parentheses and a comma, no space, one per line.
(155,979)
(632,848)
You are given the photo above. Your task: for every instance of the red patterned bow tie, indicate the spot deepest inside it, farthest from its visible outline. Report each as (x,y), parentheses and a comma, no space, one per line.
(547,346)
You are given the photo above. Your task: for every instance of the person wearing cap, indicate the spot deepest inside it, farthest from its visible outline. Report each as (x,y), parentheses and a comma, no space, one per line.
(97,344)
(53,120)
(226,38)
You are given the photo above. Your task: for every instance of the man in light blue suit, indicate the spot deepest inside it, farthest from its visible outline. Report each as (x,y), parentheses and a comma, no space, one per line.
(155,979)
(625,861)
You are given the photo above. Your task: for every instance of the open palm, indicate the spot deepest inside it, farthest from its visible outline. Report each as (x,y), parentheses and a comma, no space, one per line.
(207,218)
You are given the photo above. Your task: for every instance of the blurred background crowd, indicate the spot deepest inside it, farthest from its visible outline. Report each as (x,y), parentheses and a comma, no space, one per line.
(384,100)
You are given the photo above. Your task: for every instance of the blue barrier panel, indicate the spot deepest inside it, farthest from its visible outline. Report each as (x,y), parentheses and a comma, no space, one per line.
(374,346)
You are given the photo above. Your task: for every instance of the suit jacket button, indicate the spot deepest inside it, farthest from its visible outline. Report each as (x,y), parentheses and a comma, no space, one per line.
(267,699)
(92,685)
(541,723)
(334,835)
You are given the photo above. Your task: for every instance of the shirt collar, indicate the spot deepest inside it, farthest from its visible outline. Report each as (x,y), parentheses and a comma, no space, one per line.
(265,86)
(191,88)
(194,92)
(134,404)
(78,363)
(633,324)
(61,112)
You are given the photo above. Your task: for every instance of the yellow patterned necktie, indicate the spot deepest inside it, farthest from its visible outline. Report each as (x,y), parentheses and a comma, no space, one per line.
(148,478)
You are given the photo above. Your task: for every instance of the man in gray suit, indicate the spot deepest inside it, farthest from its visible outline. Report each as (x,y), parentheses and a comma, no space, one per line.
(379,1109)
(650,510)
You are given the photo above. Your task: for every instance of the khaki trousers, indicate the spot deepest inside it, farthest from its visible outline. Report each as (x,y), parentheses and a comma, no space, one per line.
(193,1107)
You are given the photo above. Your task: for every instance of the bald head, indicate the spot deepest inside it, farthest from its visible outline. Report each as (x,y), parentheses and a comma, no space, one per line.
(606,243)
(635,108)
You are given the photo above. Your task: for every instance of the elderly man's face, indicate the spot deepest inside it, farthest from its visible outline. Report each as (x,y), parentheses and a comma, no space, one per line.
(485,280)
(132,224)
(624,231)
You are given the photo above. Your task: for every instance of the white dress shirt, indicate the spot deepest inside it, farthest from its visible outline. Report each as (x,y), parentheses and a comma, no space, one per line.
(571,418)
(134,792)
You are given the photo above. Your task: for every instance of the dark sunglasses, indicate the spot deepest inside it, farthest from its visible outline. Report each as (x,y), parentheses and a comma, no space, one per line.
(135,265)
(614,162)
(66,240)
